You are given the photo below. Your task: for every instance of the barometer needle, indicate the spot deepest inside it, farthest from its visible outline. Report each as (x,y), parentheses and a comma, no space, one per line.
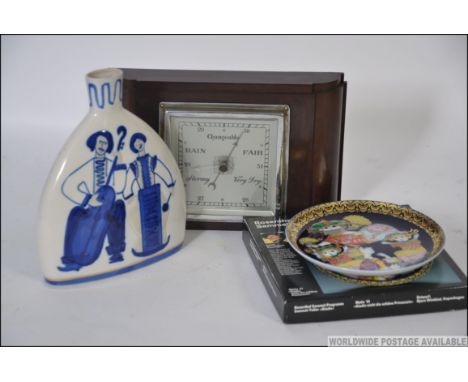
(213,183)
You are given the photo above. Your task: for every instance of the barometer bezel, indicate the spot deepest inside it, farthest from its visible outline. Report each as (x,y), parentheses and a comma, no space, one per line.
(238,111)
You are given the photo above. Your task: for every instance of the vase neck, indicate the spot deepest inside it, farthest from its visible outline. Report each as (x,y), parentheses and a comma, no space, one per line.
(105,89)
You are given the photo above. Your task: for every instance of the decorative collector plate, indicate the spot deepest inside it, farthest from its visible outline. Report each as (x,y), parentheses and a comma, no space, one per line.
(365,238)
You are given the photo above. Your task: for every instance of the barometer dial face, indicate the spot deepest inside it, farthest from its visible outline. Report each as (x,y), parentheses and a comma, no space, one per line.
(230,163)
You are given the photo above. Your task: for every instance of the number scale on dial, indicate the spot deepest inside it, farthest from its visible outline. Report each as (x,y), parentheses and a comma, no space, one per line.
(225,164)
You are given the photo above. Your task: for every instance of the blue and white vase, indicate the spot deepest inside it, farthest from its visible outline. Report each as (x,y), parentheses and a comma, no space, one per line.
(114,200)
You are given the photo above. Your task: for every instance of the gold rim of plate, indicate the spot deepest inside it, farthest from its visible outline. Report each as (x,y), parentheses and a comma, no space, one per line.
(382,283)
(301,219)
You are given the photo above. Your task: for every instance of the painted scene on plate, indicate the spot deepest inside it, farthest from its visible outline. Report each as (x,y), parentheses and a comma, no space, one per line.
(365,241)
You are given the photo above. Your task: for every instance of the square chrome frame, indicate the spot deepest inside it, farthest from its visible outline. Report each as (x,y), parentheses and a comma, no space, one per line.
(166,109)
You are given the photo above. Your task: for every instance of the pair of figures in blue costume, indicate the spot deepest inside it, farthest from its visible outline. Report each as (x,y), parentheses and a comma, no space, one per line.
(99,188)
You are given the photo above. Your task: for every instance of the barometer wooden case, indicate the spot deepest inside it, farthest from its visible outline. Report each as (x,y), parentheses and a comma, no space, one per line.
(247,143)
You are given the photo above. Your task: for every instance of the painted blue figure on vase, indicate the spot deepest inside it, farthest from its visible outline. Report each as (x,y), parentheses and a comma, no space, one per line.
(95,187)
(147,173)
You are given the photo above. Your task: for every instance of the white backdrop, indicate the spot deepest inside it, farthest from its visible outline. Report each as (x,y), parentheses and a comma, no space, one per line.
(405,142)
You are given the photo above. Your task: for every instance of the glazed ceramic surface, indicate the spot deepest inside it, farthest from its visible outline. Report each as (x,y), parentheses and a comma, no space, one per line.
(382,281)
(365,238)
(114,200)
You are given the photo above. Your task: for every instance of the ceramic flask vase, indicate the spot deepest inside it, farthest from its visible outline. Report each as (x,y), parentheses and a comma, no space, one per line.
(114,200)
